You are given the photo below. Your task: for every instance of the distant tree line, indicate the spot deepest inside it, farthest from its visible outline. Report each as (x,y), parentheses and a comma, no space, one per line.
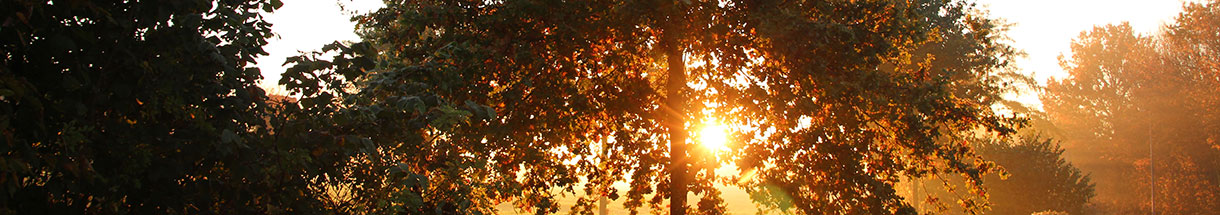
(1136,115)
(1140,113)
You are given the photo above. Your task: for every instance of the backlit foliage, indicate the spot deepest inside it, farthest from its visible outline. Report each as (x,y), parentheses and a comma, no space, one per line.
(540,99)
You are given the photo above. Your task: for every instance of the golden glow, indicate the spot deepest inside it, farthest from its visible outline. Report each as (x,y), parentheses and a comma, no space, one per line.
(714,136)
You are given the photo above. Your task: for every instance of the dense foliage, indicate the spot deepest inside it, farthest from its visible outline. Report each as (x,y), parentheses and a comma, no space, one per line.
(488,102)
(458,106)
(149,107)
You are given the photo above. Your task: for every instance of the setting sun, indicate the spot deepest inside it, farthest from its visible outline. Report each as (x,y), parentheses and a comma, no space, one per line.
(714,136)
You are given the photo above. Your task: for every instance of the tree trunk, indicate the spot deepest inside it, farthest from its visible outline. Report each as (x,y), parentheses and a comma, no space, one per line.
(676,102)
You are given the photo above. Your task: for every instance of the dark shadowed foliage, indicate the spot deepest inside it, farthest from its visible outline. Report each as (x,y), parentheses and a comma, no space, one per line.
(148,107)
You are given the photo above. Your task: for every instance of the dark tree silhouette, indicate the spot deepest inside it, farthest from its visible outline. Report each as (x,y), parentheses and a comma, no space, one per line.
(147,107)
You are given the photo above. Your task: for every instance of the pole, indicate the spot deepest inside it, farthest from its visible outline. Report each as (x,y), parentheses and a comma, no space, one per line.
(602,206)
(1151,173)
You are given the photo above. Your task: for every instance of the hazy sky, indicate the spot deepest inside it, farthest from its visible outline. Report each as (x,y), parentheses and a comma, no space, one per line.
(1043,28)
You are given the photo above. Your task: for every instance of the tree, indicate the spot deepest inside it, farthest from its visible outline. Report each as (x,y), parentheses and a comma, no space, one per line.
(381,149)
(1188,180)
(1039,179)
(1137,102)
(1036,178)
(539,99)
(1094,108)
(1192,41)
(112,107)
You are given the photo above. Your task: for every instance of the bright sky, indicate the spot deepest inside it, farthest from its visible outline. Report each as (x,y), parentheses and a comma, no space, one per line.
(307,25)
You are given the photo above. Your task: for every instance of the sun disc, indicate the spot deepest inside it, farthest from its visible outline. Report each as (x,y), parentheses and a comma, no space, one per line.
(714,136)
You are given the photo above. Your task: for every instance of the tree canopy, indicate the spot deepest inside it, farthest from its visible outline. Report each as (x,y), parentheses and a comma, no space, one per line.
(149,107)
(525,101)
(1038,178)
(1035,178)
(454,106)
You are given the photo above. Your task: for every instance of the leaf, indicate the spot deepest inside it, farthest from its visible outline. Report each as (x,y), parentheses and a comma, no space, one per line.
(476,109)
(490,112)
(228,136)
